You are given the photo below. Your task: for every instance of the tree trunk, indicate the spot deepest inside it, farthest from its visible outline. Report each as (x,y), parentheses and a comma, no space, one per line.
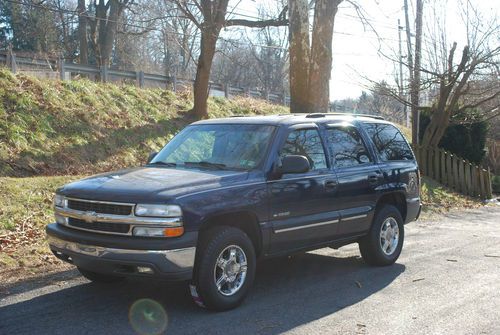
(299,55)
(202,79)
(82,32)
(320,66)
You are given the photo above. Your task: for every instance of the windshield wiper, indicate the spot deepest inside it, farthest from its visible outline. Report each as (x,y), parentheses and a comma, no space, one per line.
(163,163)
(218,166)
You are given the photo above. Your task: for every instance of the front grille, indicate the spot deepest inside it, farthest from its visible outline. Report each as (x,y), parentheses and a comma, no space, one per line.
(121,228)
(103,208)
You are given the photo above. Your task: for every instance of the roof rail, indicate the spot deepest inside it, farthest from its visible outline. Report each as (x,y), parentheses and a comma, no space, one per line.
(315,115)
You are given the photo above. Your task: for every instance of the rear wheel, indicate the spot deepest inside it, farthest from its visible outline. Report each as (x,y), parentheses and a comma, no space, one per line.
(225,268)
(383,244)
(100,277)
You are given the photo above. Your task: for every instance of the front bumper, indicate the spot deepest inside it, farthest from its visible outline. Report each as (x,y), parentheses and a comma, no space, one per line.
(144,257)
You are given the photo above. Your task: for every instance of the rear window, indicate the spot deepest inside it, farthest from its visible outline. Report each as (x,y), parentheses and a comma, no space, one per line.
(390,143)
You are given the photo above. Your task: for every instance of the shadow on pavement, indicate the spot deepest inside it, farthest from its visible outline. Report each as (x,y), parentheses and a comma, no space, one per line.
(288,292)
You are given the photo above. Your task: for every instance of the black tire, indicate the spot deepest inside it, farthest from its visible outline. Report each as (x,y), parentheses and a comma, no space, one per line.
(370,245)
(100,278)
(213,243)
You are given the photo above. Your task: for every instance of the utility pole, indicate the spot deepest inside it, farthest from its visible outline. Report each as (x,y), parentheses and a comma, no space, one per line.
(414,129)
(401,81)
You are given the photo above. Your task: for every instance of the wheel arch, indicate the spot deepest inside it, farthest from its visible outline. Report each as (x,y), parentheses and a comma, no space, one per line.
(245,220)
(396,199)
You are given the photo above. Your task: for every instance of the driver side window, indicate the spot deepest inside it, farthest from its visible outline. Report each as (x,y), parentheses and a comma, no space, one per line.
(347,147)
(305,142)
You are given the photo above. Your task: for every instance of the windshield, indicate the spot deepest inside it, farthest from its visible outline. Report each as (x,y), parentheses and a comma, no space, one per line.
(217,146)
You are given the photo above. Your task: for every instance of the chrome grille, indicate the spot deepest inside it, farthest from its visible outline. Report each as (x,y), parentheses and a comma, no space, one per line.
(121,228)
(99,207)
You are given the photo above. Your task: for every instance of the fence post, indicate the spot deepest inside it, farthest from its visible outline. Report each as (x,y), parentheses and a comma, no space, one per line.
(475,189)
(437,160)
(11,61)
(104,73)
(449,171)
(468,178)
(456,177)
(226,90)
(62,70)
(444,176)
(174,83)
(489,190)
(139,76)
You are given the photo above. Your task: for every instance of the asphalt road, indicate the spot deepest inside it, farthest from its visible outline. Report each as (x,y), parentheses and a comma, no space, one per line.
(447,281)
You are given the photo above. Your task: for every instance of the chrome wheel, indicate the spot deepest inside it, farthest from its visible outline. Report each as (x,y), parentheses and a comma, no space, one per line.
(230,270)
(389,236)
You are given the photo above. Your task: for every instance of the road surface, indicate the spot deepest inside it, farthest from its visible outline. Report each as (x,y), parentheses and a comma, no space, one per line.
(447,281)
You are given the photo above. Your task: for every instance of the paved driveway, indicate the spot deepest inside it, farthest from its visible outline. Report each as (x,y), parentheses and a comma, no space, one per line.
(447,281)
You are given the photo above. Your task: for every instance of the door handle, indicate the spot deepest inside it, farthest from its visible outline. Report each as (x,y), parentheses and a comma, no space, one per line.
(330,184)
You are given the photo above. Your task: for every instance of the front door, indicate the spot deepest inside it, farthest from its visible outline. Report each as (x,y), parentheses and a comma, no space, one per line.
(300,204)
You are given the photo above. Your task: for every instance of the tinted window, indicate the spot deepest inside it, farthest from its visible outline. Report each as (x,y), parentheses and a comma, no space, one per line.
(347,147)
(236,146)
(389,142)
(307,143)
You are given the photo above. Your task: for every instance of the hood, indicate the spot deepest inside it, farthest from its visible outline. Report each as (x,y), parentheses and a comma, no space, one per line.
(149,184)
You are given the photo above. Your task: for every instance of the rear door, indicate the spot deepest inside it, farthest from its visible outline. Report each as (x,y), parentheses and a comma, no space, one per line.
(301,204)
(358,178)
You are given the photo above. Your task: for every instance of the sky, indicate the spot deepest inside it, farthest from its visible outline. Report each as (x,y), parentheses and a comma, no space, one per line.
(356,47)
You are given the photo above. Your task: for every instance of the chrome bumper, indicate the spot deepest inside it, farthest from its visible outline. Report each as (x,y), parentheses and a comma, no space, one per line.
(112,260)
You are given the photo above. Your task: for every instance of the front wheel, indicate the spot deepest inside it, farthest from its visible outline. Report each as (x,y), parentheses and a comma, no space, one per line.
(225,269)
(383,244)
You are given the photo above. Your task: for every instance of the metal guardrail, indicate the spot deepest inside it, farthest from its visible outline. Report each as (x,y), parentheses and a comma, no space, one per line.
(107,74)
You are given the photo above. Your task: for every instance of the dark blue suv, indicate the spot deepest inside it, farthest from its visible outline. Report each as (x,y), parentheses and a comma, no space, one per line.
(224,193)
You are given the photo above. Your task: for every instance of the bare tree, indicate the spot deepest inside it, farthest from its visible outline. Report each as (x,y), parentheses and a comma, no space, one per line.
(311,61)
(210,17)
(103,27)
(82,32)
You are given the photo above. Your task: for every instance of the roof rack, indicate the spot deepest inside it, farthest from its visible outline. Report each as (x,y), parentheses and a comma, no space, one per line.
(316,115)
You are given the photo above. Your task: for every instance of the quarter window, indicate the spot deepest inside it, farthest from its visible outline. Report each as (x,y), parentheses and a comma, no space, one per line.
(347,147)
(306,142)
(389,142)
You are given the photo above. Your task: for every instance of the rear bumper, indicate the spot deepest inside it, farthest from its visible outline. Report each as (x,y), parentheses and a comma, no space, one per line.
(413,209)
(89,253)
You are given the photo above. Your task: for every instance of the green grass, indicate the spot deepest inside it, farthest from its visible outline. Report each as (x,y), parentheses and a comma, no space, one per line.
(51,127)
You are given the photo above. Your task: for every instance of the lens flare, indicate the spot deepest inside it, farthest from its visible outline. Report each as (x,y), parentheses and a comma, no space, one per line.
(148,317)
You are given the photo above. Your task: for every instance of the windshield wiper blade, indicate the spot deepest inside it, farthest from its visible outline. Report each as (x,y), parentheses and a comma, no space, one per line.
(219,166)
(163,163)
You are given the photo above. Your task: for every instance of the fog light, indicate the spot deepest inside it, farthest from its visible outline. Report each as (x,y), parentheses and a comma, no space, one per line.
(145,269)
(158,232)
(61,219)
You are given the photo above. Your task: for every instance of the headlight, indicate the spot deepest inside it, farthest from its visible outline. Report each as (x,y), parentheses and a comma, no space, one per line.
(158,210)
(59,201)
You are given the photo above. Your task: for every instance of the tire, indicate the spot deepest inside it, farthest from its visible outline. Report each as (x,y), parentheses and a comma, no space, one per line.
(228,248)
(372,245)
(100,278)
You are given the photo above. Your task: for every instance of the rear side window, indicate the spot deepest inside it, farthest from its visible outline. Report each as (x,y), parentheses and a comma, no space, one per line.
(389,142)
(347,147)
(305,142)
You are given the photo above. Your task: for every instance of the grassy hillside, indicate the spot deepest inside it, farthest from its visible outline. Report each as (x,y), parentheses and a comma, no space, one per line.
(82,127)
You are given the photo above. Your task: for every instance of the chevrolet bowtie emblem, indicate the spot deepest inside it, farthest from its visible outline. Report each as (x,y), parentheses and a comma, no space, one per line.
(89,217)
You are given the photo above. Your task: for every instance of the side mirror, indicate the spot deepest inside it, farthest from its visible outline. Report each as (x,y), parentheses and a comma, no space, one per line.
(294,164)
(151,156)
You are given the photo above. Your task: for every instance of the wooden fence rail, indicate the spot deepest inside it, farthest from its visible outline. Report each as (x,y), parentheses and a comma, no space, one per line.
(454,172)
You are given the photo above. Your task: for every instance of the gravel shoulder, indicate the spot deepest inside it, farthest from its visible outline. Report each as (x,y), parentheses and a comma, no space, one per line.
(447,280)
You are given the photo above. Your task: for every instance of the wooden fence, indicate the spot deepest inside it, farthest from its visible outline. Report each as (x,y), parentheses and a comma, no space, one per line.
(454,172)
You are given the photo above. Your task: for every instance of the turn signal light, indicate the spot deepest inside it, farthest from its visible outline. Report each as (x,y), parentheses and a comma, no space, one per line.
(173,232)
